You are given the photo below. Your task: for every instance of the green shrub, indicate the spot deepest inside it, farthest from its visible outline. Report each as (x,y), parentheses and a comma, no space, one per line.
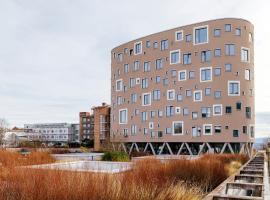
(115,156)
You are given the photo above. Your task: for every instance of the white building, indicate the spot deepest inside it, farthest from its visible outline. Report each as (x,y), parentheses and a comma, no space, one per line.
(52,132)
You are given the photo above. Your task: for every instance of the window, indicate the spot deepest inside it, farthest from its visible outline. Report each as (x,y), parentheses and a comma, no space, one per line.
(201,35)
(217,52)
(144,83)
(196,131)
(178,127)
(244,54)
(194,115)
(165,81)
(159,64)
(228,109)
(133,98)
(148,44)
(152,114)
(146,66)
(157,79)
(182,75)
(133,129)
(191,74)
(152,134)
(119,85)
(169,111)
(168,130)
(151,125)
(238,105)
(160,134)
(188,93)
(120,57)
(185,112)
(217,109)
(132,82)
(160,113)
(164,45)
(245,129)
(126,68)
(144,116)
(138,48)
(179,97)
(217,129)
(186,58)
(155,45)
(119,100)
(233,88)
(248,112)
(217,94)
(156,95)
(146,99)
(251,131)
(207,129)
(177,110)
(136,66)
(123,116)
(175,57)
(229,49)
(206,112)
(238,31)
(173,73)
(197,95)
(178,35)
(235,133)
(207,91)
(228,67)
(247,74)
(217,32)
(205,56)
(188,38)
(206,74)
(145,130)
(217,71)
(228,27)
(250,37)
(170,94)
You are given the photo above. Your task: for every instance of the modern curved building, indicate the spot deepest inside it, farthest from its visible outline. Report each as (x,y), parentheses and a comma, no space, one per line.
(187,90)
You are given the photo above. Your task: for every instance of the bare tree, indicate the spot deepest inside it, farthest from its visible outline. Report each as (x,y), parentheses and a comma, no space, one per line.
(3,129)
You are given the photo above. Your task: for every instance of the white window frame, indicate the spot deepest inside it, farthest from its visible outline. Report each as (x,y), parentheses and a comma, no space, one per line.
(176,32)
(122,85)
(138,81)
(177,50)
(168,91)
(239,88)
(249,128)
(185,71)
(194,36)
(177,109)
(151,125)
(204,125)
(143,94)
(140,42)
(124,109)
(174,122)
(202,68)
(247,74)
(217,105)
(197,91)
(248,49)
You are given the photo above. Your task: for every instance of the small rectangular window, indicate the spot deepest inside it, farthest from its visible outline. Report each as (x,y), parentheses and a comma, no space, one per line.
(217,94)
(148,44)
(238,31)
(206,74)
(217,52)
(175,57)
(228,27)
(164,45)
(159,64)
(229,49)
(182,75)
(201,35)
(233,88)
(138,48)
(238,105)
(248,112)
(217,129)
(217,32)
(244,54)
(186,58)
(217,71)
(178,127)
(206,56)
(207,91)
(155,45)
(191,74)
(178,35)
(188,38)
(235,133)
(188,93)
(247,74)
(228,67)
(228,109)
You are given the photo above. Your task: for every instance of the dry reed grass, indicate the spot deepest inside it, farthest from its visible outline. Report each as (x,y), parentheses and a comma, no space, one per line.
(149,180)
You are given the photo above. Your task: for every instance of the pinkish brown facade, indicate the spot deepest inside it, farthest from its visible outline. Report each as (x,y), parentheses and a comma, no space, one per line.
(187,90)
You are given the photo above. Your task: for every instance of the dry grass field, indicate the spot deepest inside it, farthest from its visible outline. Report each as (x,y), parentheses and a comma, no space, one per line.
(149,180)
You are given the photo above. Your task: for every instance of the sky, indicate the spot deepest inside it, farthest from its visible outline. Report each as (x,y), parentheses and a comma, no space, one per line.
(55,54)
